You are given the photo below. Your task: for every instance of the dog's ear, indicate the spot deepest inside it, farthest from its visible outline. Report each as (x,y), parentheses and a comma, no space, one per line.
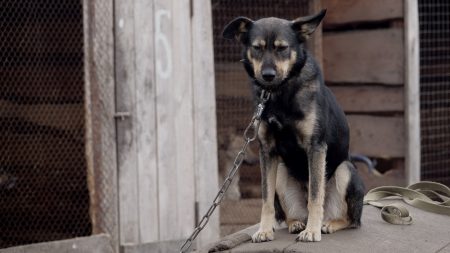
(305,26)
(237,29)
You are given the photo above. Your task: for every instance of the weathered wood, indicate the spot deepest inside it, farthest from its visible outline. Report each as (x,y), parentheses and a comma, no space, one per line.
(412,92)
(359,99)
(100,125)
(125,53)
(352,98)
(377,136)
(145,122)
(371,56)
(174,119)
(346,11)
(155,247)
(401,239)
(95,244)
(182,90)
(205,136)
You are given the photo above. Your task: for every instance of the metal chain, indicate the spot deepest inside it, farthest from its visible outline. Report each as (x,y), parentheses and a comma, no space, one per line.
(250,135)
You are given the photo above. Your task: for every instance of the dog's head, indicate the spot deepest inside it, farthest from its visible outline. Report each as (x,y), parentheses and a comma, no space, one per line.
(273,47)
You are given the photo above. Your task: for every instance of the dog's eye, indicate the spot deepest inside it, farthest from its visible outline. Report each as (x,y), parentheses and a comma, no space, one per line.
(257,47)
(282,48)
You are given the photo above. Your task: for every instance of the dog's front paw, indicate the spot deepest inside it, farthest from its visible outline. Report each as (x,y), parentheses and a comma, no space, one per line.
(309,235)
(295,226)
(263,236)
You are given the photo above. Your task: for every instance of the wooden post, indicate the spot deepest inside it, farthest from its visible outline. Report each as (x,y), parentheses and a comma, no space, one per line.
(136,130)
(175,127)
(412,92)
(205,136)
(99,110)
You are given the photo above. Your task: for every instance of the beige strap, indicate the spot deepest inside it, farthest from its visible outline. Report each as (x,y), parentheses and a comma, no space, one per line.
(428,196)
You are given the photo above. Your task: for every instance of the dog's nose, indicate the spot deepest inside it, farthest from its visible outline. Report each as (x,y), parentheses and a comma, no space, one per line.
(268,74)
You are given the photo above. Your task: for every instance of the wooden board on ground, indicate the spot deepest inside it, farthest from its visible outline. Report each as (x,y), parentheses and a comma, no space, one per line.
(377,136)
(347,11)
(366,98)
(95,244)
(370,56)
(374,235)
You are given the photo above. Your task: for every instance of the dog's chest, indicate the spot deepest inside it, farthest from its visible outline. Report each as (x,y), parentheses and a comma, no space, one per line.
(290,124)
(289,141)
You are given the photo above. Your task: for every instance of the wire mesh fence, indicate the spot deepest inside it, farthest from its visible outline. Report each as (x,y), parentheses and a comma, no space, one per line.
(434,20)
(235,107)
(43,170)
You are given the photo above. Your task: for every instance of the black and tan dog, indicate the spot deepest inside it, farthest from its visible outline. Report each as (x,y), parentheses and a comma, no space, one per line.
(304,137)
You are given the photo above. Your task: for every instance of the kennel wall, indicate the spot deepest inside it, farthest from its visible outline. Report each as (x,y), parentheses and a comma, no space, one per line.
(103,129)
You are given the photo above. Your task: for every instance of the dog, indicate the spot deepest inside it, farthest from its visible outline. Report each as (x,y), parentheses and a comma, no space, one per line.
(308,180)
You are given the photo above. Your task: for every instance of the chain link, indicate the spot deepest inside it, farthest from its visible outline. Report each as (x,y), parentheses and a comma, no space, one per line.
(250,135)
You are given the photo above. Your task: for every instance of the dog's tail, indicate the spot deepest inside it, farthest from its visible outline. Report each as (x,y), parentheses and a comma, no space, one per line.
(363,159)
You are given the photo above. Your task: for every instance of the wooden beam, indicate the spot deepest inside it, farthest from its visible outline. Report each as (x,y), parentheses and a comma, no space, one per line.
(369,99)
(160,246)
(125,104)
(377,136)
(412,91)
(95,243)
(175,127)
(347,11)
(144,120)
(364,56)
(100,135)
(204,99)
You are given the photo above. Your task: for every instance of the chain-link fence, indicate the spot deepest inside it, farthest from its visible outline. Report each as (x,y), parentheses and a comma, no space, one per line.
(43,168)
(235,107)
(434,19)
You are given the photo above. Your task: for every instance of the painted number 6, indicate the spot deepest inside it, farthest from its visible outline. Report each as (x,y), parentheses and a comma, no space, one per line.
(162,41)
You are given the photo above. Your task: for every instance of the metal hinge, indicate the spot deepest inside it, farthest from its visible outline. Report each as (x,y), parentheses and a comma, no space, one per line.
(196,212)
(122,115)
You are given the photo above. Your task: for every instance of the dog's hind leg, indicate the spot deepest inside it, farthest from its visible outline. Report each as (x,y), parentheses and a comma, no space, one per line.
(292,196)
(343,202)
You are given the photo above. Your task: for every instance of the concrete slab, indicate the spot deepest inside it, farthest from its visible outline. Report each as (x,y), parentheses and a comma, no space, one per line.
(429,233)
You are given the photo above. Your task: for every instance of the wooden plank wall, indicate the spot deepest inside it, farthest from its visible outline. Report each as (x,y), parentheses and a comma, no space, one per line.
(167,135)
(363,57)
